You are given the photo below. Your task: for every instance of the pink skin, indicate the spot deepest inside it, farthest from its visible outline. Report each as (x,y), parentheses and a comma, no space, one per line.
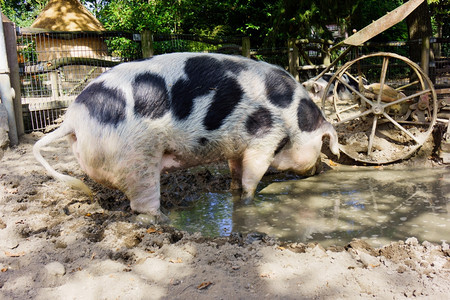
(141,181)
(131,154)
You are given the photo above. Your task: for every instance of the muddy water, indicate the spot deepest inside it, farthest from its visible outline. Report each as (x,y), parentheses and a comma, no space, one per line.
(332,208)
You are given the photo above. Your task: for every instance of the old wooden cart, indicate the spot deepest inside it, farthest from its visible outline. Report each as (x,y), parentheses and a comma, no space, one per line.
(390,118)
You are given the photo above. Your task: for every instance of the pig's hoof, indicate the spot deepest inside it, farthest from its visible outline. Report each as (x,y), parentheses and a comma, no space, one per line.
(162,218)
(146,219)
(246,200)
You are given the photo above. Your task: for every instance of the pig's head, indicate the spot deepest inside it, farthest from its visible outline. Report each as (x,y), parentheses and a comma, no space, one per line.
(315,89)
(301,151)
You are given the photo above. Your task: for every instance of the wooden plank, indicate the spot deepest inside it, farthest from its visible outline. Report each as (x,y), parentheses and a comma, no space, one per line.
(383,23)
(56,63)
(312,67)
(443,91)
(35,104)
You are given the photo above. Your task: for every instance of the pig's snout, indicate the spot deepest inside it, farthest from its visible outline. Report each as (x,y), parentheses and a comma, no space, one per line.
(314,170)
(317,168)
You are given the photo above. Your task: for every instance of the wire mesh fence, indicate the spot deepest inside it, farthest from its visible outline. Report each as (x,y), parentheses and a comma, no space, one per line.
(56,66)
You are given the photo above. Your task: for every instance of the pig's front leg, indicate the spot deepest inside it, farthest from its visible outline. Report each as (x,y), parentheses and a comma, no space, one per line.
(254,165)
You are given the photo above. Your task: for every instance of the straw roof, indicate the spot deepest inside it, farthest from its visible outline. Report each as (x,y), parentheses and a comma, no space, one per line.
(67,15)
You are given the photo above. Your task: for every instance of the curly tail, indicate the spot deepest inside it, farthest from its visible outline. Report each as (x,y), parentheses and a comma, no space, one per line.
(62,131)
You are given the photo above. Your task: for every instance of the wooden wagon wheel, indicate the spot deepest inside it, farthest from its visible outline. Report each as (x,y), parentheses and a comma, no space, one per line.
(388,119)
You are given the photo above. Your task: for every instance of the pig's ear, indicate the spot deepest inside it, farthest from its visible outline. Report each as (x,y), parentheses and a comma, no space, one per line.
(316,87)
(332,135)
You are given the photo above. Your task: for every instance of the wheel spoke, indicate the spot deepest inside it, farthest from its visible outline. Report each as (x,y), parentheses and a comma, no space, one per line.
(348,108)
(383,77)
(401,128)
(354,90)
(407,85)
(372,135)
(354,117)
(406,98)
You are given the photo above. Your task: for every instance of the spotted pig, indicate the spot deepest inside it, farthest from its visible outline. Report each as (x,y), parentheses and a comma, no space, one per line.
(184,109)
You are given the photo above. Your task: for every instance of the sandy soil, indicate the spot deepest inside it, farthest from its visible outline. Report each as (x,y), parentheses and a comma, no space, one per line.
(57,244)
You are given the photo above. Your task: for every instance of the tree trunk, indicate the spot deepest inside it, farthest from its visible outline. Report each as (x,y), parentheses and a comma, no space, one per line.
(419,26)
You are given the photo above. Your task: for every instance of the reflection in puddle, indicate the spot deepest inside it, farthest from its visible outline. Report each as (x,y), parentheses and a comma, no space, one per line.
(333,208)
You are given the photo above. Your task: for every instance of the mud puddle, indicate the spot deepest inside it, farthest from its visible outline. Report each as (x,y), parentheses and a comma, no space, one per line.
(374,204)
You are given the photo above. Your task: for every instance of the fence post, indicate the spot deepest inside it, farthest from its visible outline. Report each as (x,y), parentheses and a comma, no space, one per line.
(9,29)
(425,56)
(147,44)
(293,58)
(54,84)
(326,54)
(6,92)
(246,46)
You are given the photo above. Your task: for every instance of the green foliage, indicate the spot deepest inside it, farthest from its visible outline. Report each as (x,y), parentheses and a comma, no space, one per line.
(22,12)
(298,17)
(440,17)
(181,45)
(124,48)
(371,10)
(135,16)
(233,17)
(268,23)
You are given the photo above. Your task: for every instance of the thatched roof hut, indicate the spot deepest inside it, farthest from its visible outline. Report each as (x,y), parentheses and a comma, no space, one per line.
(68,40)
(68,16)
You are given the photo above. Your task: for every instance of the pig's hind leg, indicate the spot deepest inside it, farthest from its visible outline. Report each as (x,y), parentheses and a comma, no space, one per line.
(143,188)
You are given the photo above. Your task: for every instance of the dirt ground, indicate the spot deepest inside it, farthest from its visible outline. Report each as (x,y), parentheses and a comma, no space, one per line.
(57,244)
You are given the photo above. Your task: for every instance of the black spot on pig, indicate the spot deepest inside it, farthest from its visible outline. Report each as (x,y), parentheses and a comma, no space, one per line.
(143,59)
(203,74)
(203,141)
(227,97)
(182,98)
(107,105)
(206,75)
(211,68)
(327,77)
(233,66)
(259,122)
(150,96)
(280,88)
(309,115)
